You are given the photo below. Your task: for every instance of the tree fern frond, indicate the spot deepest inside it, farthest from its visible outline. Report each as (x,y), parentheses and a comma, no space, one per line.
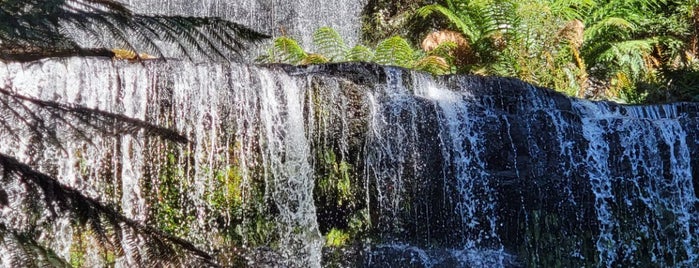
(102,121)
(433,64)
(612,23)
(330,44)
(287,50)
(64,201)
(394,51)
(314,58)
(444,49)
(360,53)
(629,56)
(454,18)
(42,23)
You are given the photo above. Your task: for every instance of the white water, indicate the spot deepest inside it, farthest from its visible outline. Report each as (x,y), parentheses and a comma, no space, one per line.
(392,161)
(262,120)
(217,107)
(296,18)
(666,193)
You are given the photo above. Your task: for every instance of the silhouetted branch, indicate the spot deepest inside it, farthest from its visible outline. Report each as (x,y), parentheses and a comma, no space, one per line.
(33,29)
(89,212)
(105,122)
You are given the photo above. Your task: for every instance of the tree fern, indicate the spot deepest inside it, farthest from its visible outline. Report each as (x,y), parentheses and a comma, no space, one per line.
(45,24)
(106,223)
(629,57)
(329,43)
(451,16)
(394,51)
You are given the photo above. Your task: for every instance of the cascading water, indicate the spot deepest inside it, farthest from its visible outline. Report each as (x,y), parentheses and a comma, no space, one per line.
(244,125)
(240,165)
(298,18)
(656,187)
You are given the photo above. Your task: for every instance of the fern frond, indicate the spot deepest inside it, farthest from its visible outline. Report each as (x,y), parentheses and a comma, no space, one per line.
(444,49)
(394,51)
(58,200)
(287,50)
(433,64)
(330,44)
(360,53)
(45,24)
(612,23)
(629,56)
(314,58)
(451,16)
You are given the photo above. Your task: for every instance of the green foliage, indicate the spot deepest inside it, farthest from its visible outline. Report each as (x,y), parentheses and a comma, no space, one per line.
(563,44)
(171,212)
(330,44)
(336,238)
(360,53)
(394,51)
(336,183)
(287,50)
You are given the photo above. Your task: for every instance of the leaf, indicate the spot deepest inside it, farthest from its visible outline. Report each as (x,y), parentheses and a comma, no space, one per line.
(330,44)
(314,58)
(433,64)
(394,51)
(450,15)
(287,50)
(360,53)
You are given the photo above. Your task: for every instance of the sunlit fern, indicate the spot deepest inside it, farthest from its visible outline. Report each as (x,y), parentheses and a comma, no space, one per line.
(46,25)
(330,44)
(360,53)
(394,51)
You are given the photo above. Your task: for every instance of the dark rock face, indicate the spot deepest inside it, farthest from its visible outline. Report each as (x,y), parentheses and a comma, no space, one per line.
(390,167)
(525,170)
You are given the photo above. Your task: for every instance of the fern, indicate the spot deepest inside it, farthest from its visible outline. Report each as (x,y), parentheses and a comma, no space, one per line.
(629,56)
(314,58)
(452,16)
(330,44)
(360,53)
(287,50)
(433,64)
(43,24)
(394,51)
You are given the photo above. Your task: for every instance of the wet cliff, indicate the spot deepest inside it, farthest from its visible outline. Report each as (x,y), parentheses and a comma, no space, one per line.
(134,164)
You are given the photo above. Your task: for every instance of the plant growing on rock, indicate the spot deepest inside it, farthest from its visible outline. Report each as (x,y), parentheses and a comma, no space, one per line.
(331,48)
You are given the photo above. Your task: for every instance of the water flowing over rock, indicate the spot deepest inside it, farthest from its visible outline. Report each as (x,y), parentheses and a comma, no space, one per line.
(297,18)
(136,164)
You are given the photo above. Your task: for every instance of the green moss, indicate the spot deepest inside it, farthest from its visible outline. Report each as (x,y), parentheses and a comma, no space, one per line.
(336,238)
(77,250)
(170,211)
(227,193)
(335,183)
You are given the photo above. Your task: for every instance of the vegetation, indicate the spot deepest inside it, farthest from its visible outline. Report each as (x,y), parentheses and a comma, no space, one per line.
(331,48)
(629,51)
(34,29)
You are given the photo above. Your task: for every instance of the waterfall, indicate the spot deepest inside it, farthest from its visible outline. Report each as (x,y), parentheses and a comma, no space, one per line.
(175,163)
(231,114)
(298,18)
(660,187)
